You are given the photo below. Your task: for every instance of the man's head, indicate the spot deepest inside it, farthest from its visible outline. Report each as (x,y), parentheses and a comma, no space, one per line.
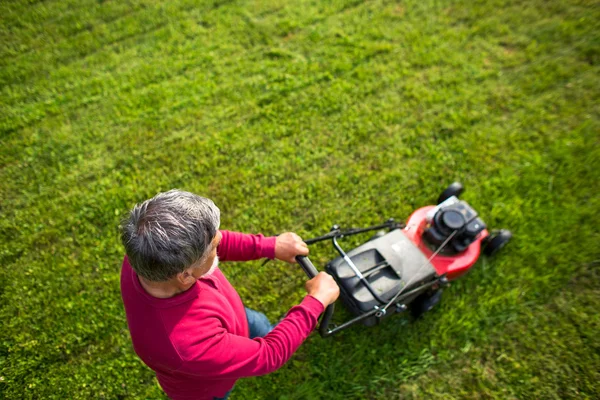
(174,234)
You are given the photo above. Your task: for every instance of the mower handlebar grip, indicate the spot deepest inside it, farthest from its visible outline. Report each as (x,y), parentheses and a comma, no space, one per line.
(307,266)
(311,272)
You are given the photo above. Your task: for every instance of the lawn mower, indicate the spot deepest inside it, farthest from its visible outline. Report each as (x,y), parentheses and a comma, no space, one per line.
(404,267)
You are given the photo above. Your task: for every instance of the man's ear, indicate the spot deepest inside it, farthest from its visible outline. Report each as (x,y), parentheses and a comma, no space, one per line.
(186,277)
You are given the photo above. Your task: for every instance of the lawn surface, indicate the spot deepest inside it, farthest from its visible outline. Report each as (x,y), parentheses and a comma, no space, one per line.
(295,115)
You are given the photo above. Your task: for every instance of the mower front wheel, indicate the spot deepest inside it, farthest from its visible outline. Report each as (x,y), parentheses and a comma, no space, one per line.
(454,189)
(497,242)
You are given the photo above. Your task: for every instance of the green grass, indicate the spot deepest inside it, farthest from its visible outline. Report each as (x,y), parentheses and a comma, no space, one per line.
(295,116)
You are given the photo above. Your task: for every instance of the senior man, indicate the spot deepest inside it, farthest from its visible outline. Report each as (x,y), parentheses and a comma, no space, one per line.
(187,322)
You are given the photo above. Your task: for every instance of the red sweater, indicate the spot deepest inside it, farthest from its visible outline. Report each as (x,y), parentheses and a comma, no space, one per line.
(197,341)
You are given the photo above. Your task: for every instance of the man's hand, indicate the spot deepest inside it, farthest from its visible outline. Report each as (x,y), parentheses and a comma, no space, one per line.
(289,245)
(323,288)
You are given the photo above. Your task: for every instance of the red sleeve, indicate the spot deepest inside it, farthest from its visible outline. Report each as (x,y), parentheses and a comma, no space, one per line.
(236,246)
(230,356)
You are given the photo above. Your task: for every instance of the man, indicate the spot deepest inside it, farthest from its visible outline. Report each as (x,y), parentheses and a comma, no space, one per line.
(187,322)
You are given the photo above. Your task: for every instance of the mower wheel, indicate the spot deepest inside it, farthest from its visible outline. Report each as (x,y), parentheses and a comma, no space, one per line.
(424,303)
(377,235)
(455,189)
(498,241)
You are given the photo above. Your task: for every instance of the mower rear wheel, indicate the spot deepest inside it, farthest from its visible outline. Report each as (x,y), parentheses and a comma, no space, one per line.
(425,302)
(454,189)
(497,242)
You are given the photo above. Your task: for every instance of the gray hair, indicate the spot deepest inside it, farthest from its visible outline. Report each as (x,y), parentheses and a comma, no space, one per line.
(170,232)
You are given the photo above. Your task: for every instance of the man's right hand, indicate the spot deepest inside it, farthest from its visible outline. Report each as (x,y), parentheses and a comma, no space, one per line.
(323,288)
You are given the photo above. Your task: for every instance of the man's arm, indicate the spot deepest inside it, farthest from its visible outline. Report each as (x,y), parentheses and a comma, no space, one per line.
(236,246)
(230,356)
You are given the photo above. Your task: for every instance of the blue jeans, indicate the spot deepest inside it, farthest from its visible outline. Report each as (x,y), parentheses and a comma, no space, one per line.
(258,323)
(259,327)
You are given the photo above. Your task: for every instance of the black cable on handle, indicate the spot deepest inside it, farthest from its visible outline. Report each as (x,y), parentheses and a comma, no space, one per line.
(311,272)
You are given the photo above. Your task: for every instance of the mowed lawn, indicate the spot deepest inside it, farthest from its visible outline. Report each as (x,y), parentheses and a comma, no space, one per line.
(293,116)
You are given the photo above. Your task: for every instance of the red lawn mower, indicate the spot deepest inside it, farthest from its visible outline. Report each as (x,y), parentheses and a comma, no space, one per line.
(404,267)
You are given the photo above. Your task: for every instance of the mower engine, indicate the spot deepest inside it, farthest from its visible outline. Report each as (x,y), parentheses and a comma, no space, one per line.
(453,217)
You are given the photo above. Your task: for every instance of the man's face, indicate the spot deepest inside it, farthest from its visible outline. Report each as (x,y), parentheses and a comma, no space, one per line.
(210,264)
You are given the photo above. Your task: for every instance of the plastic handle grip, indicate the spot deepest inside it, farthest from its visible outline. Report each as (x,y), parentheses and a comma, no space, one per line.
(324,326)
(311,272)
(307,266)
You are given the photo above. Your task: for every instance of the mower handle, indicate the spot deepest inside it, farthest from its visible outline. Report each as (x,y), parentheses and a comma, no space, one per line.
(311,272)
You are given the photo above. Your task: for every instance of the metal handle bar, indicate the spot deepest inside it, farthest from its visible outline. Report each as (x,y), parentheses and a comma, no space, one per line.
(311,272)
(336,232)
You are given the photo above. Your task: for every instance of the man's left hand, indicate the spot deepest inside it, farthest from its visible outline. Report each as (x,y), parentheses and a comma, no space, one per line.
(289,245)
